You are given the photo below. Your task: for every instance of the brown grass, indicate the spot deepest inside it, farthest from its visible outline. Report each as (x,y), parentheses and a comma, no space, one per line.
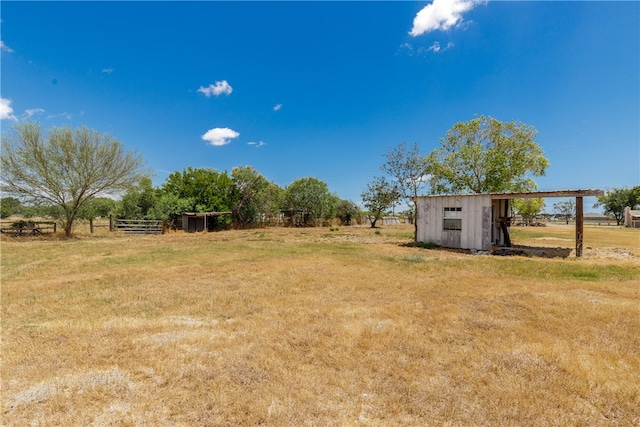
(313,327)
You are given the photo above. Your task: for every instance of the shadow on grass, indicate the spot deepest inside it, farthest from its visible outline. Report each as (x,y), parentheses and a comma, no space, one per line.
(515,250)
(532,251)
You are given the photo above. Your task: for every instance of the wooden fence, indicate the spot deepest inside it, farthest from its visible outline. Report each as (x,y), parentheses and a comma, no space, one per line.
(136,226)
(27,228)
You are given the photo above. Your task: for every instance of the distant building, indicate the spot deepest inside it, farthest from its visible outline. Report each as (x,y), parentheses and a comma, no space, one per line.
(596,217)
(385,220)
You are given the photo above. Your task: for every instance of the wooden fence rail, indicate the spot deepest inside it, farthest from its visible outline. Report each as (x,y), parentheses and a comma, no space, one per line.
(136,226)
(25,228)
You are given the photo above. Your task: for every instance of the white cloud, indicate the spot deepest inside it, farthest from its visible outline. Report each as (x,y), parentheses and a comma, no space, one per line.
(277,107)
(107,70)
(5,47)
(257,144)
(6,112)
(65,115)
(435,47)
(220,136)
(441,15)
(406,48)
(409,50)
(218,89)
(33,111)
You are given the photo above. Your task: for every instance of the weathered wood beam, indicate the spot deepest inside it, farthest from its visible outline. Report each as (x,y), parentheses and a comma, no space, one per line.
(543,194)
(579,225)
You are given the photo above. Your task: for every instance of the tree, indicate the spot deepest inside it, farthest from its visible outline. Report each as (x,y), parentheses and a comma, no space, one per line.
(566,209)
(409,169)
(139,202)
(485,155)
(309,196)
(379,196)
(207,189)
(98,207)
(65,167)
(273,200)
(10,206)
(346,211)
(331,211)
(168,206)
(528,208)
(616,199)
(249,195)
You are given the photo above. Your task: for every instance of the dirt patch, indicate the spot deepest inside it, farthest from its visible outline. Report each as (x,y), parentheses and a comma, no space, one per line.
(113,380)
(617,254)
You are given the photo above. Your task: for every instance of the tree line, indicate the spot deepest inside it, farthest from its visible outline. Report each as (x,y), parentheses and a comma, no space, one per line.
(249,197)
(74,174)
(78,174)
(246,194)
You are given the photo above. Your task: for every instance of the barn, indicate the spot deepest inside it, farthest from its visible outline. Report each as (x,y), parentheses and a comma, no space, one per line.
(481,221)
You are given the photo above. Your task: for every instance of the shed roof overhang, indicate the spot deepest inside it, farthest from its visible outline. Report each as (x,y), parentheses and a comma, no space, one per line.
(544,194)
(205,214)
(529,194)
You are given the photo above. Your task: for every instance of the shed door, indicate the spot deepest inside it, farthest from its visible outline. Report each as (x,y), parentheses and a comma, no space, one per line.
(195,224)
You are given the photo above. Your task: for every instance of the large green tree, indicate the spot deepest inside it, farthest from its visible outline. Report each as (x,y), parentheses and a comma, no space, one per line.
(207,190)
(253,196)
(485,155)
(169,206)
(65,167)
(528,208)
(347,211)
(310,196)
(139,202)
(616,199)
(10,206)
(273,200)
(409,171)
(379,196)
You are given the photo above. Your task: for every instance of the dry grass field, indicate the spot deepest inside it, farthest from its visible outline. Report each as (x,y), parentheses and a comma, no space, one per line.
(295,327)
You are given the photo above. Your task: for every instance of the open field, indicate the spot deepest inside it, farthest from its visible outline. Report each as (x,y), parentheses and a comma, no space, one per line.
(318,327)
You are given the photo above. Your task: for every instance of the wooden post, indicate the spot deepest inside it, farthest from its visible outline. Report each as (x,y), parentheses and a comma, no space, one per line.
(110,222)
(91,225)
(579,226)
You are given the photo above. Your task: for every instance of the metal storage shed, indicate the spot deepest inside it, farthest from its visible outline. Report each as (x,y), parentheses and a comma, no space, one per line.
(480,221)
(200,221)
(631,217)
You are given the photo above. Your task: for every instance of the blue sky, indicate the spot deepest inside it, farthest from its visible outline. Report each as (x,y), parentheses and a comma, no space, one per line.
(324,89)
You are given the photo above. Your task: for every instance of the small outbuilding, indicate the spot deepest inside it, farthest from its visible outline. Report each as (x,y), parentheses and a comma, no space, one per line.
(384,220)
(481,221)
(200,221)
(631,217)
